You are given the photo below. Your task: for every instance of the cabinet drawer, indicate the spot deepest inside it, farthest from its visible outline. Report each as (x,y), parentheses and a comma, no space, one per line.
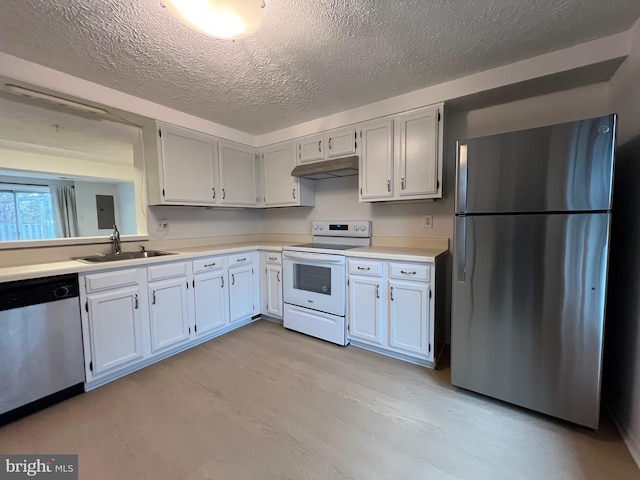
(365,267)
(166,270)
(410,271)
(118,278)
(273,258)
(207,264)
(238,259)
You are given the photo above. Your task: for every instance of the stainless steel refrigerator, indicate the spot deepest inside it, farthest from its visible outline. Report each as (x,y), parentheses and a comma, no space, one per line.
(533,211)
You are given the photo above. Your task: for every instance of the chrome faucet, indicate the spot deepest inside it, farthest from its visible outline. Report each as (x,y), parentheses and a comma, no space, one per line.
(115,238)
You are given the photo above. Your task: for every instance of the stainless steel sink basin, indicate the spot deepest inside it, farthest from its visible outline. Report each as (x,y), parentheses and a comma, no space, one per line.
(114,257)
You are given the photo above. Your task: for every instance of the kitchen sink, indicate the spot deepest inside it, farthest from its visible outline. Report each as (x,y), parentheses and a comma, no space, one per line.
(114,257)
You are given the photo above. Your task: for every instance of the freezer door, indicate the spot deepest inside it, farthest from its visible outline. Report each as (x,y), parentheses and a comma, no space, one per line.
(566,167)
(528,310)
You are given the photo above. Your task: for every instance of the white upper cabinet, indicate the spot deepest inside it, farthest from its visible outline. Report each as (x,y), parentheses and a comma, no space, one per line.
(332,144)
(419,165)
(185,167)
(340,142)
(311,149)
(180,165)
(376,160)
(279,187)
(401,158)
(238,175)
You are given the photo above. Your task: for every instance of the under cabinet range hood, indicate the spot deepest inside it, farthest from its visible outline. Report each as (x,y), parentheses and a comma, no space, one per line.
(338,167)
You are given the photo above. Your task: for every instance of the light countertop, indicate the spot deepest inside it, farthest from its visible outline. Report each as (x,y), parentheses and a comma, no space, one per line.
(404,254)
(22,272)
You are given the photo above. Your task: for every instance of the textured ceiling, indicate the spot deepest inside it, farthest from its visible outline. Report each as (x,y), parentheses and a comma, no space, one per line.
(309,59)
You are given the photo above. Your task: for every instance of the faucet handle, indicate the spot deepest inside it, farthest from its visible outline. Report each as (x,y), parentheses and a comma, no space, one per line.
(143,249)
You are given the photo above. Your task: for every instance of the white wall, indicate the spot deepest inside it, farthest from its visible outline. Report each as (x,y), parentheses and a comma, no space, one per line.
(622,352)
(194,222)
(87,213)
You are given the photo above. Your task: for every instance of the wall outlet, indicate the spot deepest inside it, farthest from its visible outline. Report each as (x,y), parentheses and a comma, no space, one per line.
(162,226)
(427,221)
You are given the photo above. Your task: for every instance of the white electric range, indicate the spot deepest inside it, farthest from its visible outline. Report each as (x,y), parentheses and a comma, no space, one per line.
(314,279)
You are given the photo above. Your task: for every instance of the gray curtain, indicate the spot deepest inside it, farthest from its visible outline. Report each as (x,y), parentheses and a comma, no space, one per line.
(64,211)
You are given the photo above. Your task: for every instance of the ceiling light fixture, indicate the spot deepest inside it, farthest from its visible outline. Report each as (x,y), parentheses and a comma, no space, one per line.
(26,92)
(228,19)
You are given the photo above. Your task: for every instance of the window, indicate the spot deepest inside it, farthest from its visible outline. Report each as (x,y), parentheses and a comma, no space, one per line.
(25,212)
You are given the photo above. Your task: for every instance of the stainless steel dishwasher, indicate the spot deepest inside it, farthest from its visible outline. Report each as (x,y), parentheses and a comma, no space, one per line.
(41,359)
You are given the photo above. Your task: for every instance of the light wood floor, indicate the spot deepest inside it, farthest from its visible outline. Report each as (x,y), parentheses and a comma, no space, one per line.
(266,403)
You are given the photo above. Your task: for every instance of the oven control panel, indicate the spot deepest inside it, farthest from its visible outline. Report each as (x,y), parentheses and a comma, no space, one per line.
(351,228)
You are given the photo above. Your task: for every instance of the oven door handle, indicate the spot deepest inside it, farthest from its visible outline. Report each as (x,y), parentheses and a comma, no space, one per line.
(316,257)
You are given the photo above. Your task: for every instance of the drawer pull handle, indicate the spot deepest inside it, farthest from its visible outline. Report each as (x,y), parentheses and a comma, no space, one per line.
(233,279)
(221,282)
(377,291)
(391,294)
(136,302)
(273,258)
(207,265)
(278,276)
(241,259)
(404,272)
(364,268)
(153,301)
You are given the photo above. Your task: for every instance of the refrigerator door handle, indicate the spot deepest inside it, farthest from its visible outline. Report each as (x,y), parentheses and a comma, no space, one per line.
(461,178)
(461,247)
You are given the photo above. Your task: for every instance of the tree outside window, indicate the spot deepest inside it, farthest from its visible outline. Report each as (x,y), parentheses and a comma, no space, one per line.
(25,213)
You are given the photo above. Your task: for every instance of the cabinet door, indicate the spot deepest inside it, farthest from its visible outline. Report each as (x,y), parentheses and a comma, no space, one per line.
(168,313)
(210,296)
(311,149)
(365,309)
(279,186)
(409,322)
(188,166)
(238,175)
(274,290)
(115,329)
(241,293)
(340,142)
(376,168)
(419,154)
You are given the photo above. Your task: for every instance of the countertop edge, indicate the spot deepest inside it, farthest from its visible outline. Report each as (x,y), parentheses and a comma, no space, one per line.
(25,272)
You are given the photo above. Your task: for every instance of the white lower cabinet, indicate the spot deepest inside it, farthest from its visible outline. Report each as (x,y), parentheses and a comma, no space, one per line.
(133,317)
(168,314)
(243,288)
(112,321)
(366,306)
(271,302)
(409,319)
(210,300)
(391,308)
(274,290)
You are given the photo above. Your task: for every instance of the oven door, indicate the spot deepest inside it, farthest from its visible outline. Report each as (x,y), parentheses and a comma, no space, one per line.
(315,280)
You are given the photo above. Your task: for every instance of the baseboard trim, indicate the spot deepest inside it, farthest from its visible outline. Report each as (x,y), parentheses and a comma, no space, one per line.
(397,356)
(630,439)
